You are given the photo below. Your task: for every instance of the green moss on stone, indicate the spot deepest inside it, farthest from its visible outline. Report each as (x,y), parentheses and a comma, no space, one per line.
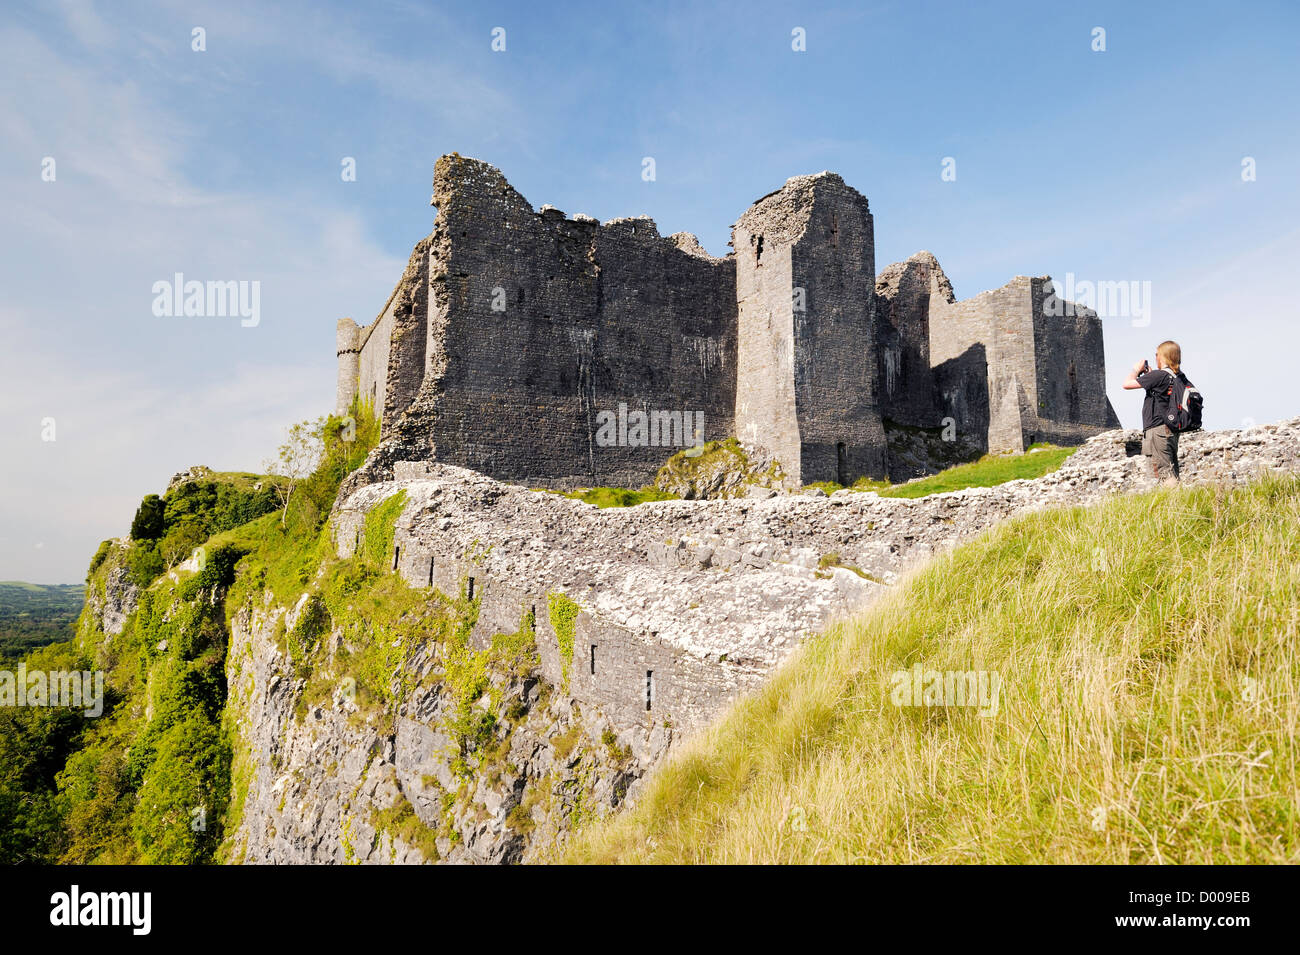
(564,621)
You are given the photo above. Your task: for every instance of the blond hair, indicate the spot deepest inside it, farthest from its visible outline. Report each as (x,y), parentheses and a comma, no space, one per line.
(1172,355)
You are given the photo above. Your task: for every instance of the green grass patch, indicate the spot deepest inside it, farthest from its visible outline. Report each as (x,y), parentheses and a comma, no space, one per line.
(564,621)
(619,496)
(377,540)
(401,822)
(861,484)
(988,471)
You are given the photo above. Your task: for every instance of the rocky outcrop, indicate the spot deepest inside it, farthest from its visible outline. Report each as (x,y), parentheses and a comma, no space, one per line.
(109,606)
(719,469)
(340,780)
(199,472)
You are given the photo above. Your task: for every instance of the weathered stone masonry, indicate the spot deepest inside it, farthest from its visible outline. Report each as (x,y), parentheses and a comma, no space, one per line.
(707,597)
(805,263)
(512,329)
(536,323)
(1044,374)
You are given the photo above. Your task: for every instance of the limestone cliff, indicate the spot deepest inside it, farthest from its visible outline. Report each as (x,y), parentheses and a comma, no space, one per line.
(339,779)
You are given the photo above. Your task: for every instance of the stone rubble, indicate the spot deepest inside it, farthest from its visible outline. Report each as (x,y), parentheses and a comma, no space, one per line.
(746,579)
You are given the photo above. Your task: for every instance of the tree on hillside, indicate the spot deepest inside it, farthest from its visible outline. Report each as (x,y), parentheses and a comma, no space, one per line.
(148,523)
(298,457)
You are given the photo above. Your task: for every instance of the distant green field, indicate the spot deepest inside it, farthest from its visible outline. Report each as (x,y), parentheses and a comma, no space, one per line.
(34,615)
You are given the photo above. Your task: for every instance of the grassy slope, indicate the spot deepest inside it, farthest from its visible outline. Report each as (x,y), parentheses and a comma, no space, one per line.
(1149,712)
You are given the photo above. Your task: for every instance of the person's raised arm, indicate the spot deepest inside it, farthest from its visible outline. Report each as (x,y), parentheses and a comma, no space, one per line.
(1131,382)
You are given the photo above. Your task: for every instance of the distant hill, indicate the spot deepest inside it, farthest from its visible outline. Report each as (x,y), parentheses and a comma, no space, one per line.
(33,615)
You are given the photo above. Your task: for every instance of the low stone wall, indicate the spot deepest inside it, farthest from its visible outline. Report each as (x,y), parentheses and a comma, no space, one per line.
(707,597)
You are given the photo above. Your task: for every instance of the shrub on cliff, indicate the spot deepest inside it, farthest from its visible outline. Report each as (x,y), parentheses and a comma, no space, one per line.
(167,529)
(285,552)
(144,562)
(148,522)
(178,813)
(195,510)
(315,458)
(34,743)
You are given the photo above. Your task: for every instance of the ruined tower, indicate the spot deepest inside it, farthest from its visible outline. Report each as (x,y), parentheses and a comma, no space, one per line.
(806,386)
(903,292)
(347,340)
(1008,365)
(539,325)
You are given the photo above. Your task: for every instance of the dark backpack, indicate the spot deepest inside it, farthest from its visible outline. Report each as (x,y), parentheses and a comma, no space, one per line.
(1183,407)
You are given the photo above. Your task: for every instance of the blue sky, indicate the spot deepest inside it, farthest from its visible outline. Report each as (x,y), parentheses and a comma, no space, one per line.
(1122,165)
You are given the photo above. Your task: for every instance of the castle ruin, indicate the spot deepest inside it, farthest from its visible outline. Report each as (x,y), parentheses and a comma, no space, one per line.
(516,336)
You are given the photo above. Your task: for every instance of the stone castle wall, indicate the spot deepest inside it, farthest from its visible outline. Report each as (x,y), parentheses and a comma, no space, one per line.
(836,387)
(903,293)
(766,414)
(373,385)
(1071,386)
(385,361)
(1000,321)
(541,322)
(407,343)
(1008,368)
(516,337)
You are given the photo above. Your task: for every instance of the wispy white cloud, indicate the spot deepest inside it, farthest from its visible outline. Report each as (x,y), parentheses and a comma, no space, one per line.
(135,398)
(117,436)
